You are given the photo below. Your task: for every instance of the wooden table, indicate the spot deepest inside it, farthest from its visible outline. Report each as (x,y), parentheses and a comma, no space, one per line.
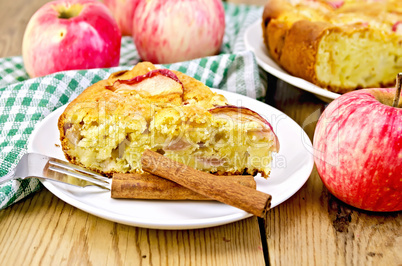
(311,228)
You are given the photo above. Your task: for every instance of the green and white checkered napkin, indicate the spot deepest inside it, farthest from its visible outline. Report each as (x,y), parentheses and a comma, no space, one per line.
(24,102)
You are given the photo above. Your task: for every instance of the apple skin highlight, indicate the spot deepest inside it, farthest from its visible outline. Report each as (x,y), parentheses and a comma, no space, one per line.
(123,12)
(70,34)
(358,149)
(178,30)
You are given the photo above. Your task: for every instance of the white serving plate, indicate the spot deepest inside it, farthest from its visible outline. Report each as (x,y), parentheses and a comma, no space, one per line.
(291,169)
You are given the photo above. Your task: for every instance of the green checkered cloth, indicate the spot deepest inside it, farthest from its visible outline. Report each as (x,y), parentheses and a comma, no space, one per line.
(24,102)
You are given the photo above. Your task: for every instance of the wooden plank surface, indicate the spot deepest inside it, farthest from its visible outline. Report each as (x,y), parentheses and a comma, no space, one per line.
(43,230)
(14,16)
(311,228)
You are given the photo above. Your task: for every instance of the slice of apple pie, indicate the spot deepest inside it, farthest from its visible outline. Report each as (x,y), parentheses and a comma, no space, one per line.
(110,124)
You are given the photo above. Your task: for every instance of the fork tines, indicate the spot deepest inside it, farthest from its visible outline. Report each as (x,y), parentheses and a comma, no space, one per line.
(78,172)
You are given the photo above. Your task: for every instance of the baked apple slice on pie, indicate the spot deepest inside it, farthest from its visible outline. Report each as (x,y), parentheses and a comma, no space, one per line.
(111,123)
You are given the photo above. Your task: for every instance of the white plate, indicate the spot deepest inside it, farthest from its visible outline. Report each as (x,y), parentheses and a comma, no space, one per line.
(254,42)
(291,168)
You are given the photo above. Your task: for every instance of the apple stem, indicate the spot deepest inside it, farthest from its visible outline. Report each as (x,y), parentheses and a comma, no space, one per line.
(398,90)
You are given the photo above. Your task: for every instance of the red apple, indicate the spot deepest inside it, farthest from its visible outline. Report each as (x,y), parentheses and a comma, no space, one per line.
(358,149)
(178,30)
(123,12)
(70,34)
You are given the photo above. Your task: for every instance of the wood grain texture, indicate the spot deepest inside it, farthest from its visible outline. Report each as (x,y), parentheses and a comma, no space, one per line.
(43,230)
(14,16)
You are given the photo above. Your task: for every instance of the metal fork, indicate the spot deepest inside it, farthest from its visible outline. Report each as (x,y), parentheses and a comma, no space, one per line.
(33,165)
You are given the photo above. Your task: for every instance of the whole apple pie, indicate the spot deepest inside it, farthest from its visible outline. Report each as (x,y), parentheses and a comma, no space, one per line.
(337,45)
(111,123)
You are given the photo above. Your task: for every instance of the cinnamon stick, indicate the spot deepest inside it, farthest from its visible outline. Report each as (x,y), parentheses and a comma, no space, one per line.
(245,198)
(398,90)
(149,186)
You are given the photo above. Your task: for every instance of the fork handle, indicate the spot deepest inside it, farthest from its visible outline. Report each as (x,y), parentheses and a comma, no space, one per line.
(9,176)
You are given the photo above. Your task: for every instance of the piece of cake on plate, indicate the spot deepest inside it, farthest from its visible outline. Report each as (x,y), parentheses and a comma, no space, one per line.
(110,124)
(337,45)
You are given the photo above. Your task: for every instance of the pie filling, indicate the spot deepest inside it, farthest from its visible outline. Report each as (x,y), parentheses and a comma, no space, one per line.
(223,142)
